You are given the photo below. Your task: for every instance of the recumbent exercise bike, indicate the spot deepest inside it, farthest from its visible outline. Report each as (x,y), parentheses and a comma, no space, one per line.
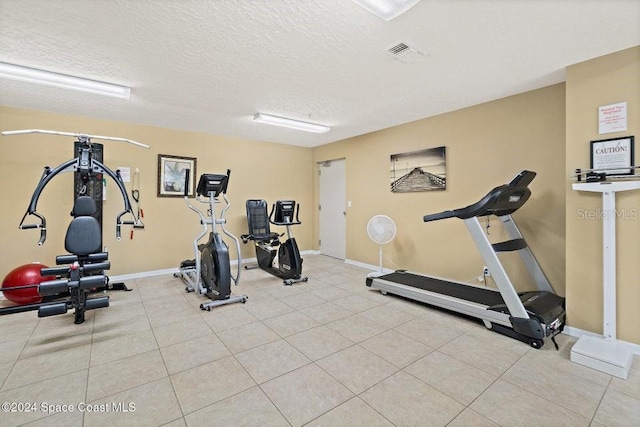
(282,259)
(209,273)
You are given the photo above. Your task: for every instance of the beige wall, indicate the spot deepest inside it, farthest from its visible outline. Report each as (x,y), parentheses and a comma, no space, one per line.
(486,146)
(601,81)
(259,170)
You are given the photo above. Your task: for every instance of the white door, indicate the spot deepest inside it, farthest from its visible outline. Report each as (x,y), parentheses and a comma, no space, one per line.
(333,221)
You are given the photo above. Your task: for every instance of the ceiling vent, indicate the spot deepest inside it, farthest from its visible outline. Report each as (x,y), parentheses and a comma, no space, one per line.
(405,53)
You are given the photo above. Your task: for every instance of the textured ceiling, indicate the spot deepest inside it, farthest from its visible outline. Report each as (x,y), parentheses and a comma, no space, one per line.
(210,65)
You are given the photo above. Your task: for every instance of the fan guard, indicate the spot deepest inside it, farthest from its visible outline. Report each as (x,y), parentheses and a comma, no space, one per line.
(382,230)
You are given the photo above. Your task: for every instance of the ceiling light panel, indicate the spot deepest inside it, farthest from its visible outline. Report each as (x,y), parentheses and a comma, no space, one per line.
(386,9)
(290,123)
(47,78)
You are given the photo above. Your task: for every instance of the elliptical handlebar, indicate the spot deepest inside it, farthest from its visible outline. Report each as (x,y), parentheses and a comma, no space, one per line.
(226,184)
(203,220)
(222,223)
(186,182)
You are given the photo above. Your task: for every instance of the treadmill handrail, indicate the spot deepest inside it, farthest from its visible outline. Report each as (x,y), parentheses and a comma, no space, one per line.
(439,215)
(502,200)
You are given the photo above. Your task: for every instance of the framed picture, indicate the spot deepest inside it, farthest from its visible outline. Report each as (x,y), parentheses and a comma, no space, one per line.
(171,175)
(424,170)
(613,156)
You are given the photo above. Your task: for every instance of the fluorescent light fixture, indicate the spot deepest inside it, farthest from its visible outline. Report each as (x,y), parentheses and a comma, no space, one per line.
(386,9)
(290,123)
(47,78)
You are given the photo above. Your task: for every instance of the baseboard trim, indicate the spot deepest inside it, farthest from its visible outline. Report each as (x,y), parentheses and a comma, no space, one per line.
(140,275)
(367,266)
(310,252)
(577,333)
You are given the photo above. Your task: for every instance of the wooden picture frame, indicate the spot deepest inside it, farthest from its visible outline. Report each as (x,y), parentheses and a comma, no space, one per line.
(171,175)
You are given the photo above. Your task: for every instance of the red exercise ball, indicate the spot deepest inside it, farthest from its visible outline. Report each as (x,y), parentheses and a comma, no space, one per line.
(28,274)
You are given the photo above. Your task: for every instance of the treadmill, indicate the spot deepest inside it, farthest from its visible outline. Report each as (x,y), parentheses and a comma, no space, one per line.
(527,316)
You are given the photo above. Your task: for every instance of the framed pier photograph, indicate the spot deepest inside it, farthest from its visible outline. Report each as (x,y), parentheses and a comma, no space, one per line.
(423,170)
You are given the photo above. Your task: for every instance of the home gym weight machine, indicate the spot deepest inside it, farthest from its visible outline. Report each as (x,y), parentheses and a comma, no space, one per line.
(282,259)
(527,316)
(86,167)
(209,273)
(85,273)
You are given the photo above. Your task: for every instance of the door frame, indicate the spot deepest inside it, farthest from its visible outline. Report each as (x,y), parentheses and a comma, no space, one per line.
(344,202)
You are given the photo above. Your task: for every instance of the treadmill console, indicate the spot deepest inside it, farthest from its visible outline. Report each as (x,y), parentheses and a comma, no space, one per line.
(502,200)
(522,179)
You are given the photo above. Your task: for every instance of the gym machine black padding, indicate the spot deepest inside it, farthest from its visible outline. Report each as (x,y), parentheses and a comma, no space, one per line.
(84,273)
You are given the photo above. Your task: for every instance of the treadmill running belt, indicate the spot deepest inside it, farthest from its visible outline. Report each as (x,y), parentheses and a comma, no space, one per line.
(457,290)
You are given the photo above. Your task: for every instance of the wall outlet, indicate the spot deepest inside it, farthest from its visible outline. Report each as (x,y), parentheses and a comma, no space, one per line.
(485,271)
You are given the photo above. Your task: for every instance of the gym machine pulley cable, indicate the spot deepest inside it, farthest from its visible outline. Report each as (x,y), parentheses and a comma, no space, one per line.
(85,166)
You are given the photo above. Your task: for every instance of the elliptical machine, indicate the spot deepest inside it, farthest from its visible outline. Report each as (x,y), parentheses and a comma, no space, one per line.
(282,259)
(210,272)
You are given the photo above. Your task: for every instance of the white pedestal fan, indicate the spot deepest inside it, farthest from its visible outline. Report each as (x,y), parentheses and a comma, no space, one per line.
(382,230)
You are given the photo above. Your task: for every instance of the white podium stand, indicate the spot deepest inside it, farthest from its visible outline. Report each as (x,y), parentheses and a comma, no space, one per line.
(605,353)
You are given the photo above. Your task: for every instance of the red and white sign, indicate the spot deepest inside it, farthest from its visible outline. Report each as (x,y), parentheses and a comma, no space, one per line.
(612,118)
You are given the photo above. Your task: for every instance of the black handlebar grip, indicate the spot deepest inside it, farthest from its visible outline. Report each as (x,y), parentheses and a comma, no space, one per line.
(226,184)
(187,172)
(439,216)
(118,232)
(43,236)
(29,226)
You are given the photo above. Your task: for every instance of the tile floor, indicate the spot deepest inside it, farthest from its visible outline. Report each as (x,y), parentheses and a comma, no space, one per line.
(330,352)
